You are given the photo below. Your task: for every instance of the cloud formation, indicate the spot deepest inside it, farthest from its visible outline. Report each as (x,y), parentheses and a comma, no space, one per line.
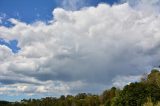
(80,50)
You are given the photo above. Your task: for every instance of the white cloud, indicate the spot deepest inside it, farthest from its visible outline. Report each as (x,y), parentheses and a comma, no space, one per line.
(80,49)
(5,53)
(121,81)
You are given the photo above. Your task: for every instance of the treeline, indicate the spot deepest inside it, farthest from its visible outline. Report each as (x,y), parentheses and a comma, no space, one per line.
(143,93)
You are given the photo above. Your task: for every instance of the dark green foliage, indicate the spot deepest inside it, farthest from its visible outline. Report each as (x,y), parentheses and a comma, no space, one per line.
(4,103)
(108,95)
(136,94)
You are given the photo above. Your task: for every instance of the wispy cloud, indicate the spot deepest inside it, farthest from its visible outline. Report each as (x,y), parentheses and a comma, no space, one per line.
(143,2)
(73,4)
(2,17)
(1,20)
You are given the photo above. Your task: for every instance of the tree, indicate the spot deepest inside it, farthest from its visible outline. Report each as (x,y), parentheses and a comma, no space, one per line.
(108,95)
(154,77)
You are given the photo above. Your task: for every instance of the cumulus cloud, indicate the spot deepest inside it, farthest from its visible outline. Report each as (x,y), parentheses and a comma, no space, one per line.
(5,53)
(80,50)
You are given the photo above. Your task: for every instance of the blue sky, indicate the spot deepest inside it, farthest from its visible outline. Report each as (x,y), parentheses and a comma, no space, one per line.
(11,44)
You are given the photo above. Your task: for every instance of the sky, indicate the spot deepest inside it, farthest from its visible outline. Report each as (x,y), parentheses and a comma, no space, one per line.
(61,47)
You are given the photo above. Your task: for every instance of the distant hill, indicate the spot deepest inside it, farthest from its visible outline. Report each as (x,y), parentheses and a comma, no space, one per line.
(4,102)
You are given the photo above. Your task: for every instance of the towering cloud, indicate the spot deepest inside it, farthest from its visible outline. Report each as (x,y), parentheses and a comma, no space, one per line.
(80,50)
